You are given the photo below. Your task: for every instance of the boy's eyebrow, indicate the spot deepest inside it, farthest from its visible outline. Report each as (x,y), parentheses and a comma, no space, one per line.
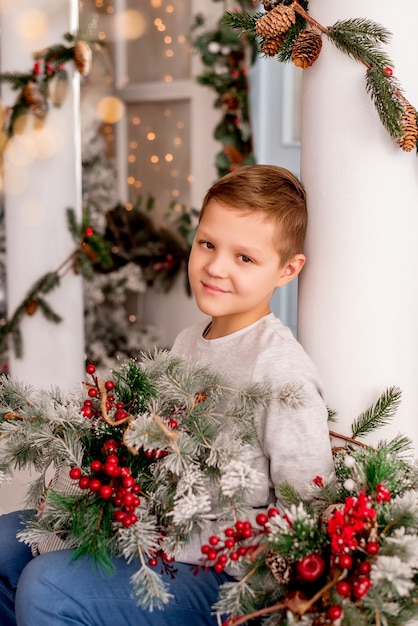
(243,248)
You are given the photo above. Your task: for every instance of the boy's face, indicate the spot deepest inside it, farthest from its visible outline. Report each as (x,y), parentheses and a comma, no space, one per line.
(234,267)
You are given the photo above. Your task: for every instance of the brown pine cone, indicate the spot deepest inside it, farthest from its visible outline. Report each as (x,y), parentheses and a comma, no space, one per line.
(408,141)
(83,57)
(272,45)
(306,48)
(31,306)
(233,154)
(275,22)
(279,567)
(34,99)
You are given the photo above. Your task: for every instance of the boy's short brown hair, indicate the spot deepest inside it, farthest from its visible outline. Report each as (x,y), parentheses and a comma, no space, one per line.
(272,191)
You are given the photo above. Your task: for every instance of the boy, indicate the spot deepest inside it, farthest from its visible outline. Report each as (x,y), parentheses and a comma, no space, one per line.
(249,241)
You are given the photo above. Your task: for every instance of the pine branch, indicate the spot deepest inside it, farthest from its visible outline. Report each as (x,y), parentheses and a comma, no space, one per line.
(288,494)
(359,39)
(379,414)
(242,21)
(48,312)
(384,91)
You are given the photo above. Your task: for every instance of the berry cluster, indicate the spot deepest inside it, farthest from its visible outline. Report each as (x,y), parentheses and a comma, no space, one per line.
(112,481)
(235,544)
(90,410)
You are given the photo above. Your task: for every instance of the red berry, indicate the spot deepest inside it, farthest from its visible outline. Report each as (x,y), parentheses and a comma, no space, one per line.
(372,547)
(90,369)
(88,402)
(111,469)
(88,231)
(119,405)
(153,562)
(229,543)
(212,554)
(346,561)
(75,473)
(234,556)
(343,588)
(128,499)
(229,532)
(310,568)
(360,586)
(118,516)
(173,424)
(272,512)
(205,548)
(222,558)
(105,492)
(218,567)
(120,414)
(125,472)
(95,484)
(84,482)
(111,445)
(93,393)
(87,411)
(213,540)
(96,466)
(262,519)
(364,568)
(109,385)
(388,71)
(334,612)
(128,481)
(112,459)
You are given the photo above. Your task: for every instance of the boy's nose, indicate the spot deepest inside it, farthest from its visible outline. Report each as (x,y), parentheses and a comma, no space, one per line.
(217,266)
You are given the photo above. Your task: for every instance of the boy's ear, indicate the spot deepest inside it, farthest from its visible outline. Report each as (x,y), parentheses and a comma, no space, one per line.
(291,269)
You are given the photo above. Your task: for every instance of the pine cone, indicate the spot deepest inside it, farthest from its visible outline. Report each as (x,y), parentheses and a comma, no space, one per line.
(279,567)
(275,22)
(31,306)
(408,141)
(60,89)
(34,99)
(83,57)
(272,45)
(229,101)
(233,154)
(306,48)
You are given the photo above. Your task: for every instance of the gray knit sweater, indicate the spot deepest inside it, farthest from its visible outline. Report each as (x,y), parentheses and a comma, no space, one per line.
(293,440)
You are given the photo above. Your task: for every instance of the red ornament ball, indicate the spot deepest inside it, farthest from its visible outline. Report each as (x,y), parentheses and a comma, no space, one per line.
(310,568)
(90,369)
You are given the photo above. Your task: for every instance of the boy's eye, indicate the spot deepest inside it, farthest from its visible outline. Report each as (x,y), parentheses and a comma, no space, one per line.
(207,244)
(245,259)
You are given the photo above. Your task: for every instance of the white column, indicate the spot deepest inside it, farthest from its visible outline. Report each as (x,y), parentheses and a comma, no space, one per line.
(42,178)
(358,314)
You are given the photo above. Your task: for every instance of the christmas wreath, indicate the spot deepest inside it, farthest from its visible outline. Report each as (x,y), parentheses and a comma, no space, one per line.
(140,453)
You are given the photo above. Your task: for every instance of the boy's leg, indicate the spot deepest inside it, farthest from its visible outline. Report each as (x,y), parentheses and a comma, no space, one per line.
(56,591)
(14,555)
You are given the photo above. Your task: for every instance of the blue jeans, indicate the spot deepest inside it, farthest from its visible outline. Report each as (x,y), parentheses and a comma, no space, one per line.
(52,590)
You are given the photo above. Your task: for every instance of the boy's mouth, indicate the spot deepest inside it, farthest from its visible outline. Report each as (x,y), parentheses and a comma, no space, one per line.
(213,288)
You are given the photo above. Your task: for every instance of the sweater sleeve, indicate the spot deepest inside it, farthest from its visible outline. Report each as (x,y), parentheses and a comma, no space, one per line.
(293,428)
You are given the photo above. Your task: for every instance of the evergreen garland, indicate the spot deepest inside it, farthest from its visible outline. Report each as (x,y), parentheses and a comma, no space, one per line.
(288,32)
(47,82)
(226,57)
(89,247)
(140,452)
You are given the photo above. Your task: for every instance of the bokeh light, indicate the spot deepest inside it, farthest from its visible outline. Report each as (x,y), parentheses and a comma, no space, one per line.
(129,24)
(32,25)
(111,109)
